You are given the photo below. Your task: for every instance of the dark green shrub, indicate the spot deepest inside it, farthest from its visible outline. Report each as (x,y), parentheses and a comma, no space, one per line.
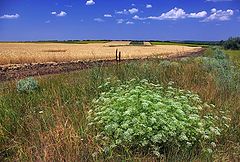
(27,85)
(232,43)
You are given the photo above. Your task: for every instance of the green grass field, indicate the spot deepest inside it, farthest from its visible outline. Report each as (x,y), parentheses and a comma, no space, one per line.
(234,56)
(50,124)
(180,44)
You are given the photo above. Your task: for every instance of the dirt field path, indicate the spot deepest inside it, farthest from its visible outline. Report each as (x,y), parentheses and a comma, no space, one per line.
(18,71)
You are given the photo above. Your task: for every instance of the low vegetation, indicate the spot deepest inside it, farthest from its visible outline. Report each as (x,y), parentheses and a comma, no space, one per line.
(234,56)
(137,43)
(189,44)
(27,85)
(54,123)
(232,43)
(150,118)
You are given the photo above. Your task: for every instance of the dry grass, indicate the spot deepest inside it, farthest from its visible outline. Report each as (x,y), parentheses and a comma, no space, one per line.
(18,53)
(60,132)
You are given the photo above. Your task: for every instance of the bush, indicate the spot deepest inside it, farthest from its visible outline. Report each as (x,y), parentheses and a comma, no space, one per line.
(232,43)
(219,54)
(226,74)
(145,116)
(27,85)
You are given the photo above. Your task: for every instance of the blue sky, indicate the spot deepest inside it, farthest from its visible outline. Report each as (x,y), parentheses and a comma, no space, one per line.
(115,19)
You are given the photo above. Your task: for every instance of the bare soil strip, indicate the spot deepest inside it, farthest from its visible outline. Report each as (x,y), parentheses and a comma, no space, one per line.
(18,71)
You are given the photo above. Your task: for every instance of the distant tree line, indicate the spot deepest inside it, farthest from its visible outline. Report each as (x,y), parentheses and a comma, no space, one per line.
(233,43)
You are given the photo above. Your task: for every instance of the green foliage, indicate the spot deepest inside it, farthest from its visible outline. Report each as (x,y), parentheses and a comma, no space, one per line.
(139,114)
(219,54)
(27,85)
(232,43)
(234,56)
(137,43)
(53,120)
(227,75)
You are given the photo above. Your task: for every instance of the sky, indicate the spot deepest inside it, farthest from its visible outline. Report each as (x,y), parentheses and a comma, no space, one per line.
(200,20)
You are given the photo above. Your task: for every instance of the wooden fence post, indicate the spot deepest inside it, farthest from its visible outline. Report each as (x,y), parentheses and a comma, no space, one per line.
(116,54)
(119,56)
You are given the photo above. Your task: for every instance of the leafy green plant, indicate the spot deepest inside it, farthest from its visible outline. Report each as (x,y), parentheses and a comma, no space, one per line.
(232,43)
(139,115)
(27,85)
(227,75)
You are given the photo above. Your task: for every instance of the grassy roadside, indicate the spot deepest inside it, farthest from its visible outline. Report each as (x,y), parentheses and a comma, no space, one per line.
(234,56)
(50,124)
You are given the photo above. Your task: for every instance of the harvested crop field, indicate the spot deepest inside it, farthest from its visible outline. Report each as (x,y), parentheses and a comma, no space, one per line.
(19,53)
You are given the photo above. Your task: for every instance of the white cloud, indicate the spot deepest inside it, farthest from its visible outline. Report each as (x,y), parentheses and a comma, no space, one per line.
(122,12)
(61,14)
(176,13)
(148,6)
(129,23)
(47,22)
(133,4)
(133,10)
(219,15)
(10,16)
(125,11)
(120,21)
(213,10)
(136,17)
(90,2)
(198,15)
(218,0)
(107,15)
(98,20)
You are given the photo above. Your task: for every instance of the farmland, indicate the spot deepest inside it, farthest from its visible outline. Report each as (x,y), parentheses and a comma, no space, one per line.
(51,123)
(119,81)
(20,53)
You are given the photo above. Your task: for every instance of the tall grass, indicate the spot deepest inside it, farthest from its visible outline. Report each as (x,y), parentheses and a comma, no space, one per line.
(50,124)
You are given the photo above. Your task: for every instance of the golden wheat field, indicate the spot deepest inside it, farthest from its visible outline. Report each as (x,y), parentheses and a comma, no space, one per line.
(19,53)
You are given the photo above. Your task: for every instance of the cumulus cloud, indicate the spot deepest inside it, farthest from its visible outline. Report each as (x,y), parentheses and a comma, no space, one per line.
(133,10)
(148,6)
(219,15)
(198,15)
(136,17)
(125,11)
(174,14)
(60,14)
(107,15)
(129,23)
(122,12)
(90,2)
(10,16)
(120,21)
(98,20)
